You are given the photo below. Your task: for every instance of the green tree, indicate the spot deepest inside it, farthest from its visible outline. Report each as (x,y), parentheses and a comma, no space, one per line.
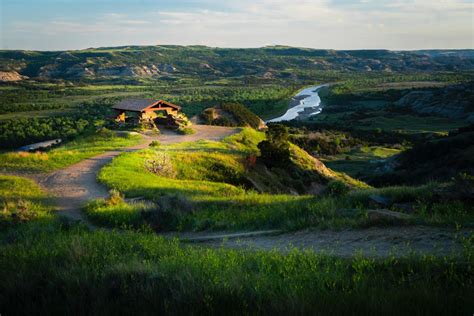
(275,150)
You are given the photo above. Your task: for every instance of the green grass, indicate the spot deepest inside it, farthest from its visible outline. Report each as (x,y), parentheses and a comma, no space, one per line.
(21,200)
(207,192)
(380,152)
(428,207)
(412,124)
(360,161)
(117,214)
(49,270)
(409,124)
(67,154)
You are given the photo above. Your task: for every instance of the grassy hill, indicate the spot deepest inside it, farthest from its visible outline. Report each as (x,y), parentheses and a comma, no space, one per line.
(212,186)
(231,114)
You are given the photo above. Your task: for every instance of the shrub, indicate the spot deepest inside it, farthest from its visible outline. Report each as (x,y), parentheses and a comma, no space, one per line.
(242,115)
(115,197)
(186,130)
(224,121)
(16,212)
(336,188)
(236,115)
(275,151)
(209,115)
(155,144)
(160,164)
(105,133)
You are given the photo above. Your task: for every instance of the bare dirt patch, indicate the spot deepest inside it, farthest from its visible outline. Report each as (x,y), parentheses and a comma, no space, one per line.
(375,241)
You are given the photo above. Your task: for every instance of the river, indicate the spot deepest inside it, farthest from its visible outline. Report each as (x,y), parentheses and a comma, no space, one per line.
(306,102)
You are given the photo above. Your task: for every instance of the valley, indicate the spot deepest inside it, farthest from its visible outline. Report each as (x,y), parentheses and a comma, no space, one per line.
(360,184)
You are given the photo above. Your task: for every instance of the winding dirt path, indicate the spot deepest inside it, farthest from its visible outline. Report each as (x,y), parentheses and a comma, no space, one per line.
(75,185)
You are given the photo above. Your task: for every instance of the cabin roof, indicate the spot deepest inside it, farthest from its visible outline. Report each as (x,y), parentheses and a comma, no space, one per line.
(139,105)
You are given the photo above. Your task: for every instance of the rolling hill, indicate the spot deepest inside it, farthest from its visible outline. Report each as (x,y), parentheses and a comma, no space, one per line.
(206,62)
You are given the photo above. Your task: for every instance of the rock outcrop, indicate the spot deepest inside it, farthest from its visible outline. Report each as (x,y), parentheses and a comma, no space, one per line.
(455,101)
(9,76)
(128,71)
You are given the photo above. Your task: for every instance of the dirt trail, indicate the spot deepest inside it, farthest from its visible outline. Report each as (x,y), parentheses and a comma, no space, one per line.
(374,241)
(73,186)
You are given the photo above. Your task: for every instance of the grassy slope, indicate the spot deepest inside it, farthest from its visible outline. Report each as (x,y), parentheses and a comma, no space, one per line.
(361,161)
(204,200)
(21,200)
(199,197)
(65,155)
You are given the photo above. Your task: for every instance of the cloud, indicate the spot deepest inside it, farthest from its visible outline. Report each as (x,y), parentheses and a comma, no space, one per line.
(397,24)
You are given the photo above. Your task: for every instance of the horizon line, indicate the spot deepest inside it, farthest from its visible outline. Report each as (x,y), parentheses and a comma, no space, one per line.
(248,47)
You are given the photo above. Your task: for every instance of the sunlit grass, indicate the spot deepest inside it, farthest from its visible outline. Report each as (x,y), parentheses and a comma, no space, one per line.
(208,192)
(21,200)
(67,154)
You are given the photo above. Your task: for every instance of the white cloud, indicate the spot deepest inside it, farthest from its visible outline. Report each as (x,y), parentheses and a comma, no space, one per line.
(397,24)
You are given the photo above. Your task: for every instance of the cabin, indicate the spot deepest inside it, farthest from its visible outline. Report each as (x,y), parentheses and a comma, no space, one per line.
(145,110)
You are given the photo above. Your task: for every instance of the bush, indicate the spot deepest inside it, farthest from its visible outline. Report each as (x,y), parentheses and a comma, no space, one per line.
(186,130)
(242,115)
(160,164)
(336,188)
(115,197)
(234,114)
(209,115)
(105,133)
(275,151)
(155,144)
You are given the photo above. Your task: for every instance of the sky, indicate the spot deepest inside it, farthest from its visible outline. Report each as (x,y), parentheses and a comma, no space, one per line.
(327,24)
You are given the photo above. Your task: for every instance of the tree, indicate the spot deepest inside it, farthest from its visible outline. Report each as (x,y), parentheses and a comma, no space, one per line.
(275,150)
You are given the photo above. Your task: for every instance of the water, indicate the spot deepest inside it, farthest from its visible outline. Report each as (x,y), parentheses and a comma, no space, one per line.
(309,100)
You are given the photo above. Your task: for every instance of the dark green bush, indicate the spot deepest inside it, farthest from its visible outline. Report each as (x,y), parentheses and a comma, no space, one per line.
(275,150)
(155,143)
(336,188)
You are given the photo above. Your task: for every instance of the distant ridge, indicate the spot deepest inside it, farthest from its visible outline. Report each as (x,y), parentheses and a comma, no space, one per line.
(174,61)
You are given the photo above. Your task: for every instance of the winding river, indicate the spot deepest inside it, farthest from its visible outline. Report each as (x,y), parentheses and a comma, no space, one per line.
(306,102)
